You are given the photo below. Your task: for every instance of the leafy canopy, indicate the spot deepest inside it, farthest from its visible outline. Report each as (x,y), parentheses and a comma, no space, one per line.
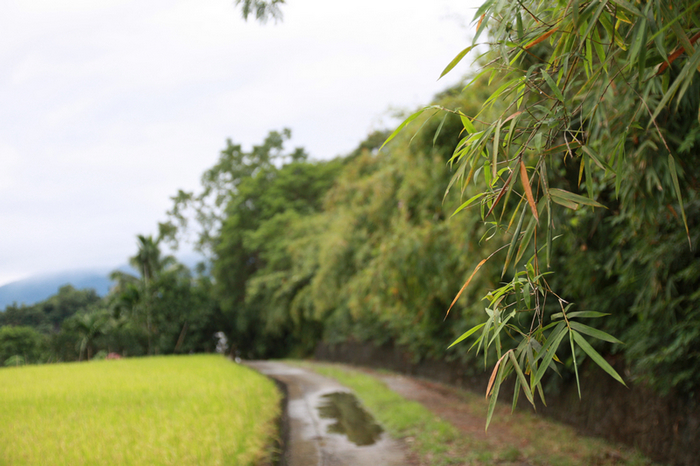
(595,108)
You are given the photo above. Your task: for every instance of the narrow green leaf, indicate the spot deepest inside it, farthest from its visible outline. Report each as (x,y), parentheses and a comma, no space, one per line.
(596,357)
(467,334)
(553,86)
(467,123)
(439,128)
(599,50)
(549,350)
(682,38)
(516,392)
(560,315)
(597,159)
(571,315)
(573,357)
(677,188)
(402,126)
(482,9)
(514,241)
(494,152)
(456,60)
(497,93)
(594,19)
(642,58)
(687,72)
(497,331)
(526,239)
(522,379)
(594,332)
(494,394)
(548,246)
(562,197)
(468,203)
(589,176)
(629,7)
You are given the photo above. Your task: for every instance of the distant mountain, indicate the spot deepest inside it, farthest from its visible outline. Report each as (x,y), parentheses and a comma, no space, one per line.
(38,288)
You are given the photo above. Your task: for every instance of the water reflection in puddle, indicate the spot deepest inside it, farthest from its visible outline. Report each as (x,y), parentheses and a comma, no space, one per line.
(350,419)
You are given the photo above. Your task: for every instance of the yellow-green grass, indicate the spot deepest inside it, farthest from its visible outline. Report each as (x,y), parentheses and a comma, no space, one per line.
(144,411)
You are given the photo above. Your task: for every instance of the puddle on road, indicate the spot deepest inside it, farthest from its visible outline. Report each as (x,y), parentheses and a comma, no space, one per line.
(351,419)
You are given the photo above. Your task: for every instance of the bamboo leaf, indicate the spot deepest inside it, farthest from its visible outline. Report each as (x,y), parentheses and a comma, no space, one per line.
(500,194)
(521,378)
(550,227)
(540,38)
(494,153)
(528,191)
(565,197)
(467,123)
(439,128)
(594,19)
(573,357)
(492,379)
(526,239)
(516,392)
(402,126)
(466,284)
(593,332)
(677,188)
(456,60)
(589,176)
(686,72)
(494,395)
(468,203)
(552,85)
(596,357)
(571,315)
(597,159)
(516,237)
(549,350)
(629,7)
(467,334)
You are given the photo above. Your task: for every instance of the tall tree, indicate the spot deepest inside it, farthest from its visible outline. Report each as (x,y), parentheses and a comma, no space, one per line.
(137,294)
(206,209)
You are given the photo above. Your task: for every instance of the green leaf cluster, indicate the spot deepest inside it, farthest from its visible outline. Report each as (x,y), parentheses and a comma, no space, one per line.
(596,107)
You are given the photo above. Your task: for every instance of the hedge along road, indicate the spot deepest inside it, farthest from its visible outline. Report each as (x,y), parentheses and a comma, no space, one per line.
(326,425)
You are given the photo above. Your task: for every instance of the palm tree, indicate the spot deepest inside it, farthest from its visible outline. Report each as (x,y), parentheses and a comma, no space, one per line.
(89,325)
(135,294)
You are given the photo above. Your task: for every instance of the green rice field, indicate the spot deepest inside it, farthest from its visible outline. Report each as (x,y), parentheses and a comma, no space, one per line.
(182,410)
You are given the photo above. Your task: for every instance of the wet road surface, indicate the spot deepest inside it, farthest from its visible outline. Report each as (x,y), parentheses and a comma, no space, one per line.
(326,425)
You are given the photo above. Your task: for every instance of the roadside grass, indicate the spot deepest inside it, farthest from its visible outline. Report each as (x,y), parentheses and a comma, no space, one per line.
(435,441)
(182,410)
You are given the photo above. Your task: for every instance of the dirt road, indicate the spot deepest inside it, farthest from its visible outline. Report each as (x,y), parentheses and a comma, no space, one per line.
(321,418)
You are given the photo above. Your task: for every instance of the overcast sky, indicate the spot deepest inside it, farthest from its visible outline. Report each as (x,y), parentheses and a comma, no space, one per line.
(108,107)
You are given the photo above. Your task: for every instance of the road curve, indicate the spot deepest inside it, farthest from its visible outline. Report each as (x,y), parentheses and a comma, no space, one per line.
(309,441)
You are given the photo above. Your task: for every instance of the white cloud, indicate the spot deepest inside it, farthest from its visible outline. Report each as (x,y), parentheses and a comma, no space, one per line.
(107,108)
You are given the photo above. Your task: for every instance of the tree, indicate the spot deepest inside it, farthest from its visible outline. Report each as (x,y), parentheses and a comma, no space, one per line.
(219,184)
(264,10)
(89,326)
(253,264)
(21,341)
(600,111)
(137,294)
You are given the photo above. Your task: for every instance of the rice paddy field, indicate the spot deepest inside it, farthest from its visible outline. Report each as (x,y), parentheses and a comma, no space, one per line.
(182,410)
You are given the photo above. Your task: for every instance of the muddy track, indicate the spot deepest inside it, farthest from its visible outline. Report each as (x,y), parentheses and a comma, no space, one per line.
(313,437)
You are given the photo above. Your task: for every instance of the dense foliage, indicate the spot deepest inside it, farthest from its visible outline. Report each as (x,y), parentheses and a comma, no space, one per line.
(163,310)
(600,111)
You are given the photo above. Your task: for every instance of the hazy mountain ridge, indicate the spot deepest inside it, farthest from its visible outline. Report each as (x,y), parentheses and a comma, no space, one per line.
(37,288)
